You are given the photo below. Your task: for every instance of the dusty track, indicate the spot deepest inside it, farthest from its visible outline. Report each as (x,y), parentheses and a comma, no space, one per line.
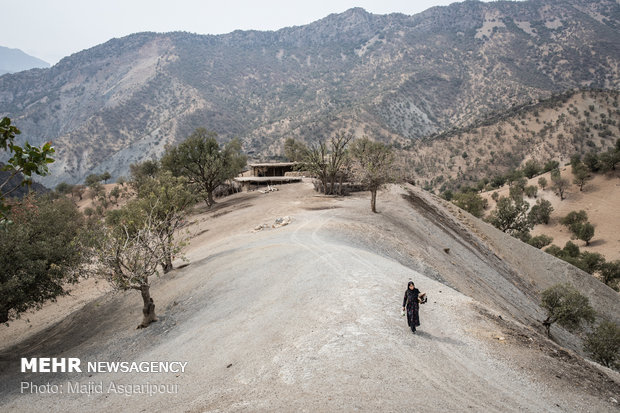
(307,318)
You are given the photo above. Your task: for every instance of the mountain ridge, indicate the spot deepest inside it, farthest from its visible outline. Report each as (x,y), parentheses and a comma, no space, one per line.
(394,77)
(15,60)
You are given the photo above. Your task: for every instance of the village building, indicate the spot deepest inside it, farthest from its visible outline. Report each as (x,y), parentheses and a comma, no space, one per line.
(268,173)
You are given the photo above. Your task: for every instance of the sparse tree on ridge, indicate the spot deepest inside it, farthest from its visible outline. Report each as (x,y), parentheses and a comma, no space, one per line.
(204,163)
(372,165)
(130,250)
(105,176)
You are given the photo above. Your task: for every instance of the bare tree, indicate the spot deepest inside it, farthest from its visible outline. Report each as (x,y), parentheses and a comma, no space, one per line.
(338,157)
(372,165)
(130,252)
(317,162)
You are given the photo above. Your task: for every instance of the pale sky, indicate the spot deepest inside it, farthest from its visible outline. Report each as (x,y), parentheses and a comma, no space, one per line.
(53,29)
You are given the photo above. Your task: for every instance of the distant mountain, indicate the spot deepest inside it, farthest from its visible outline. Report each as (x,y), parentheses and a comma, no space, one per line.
(14,60)
(393,77)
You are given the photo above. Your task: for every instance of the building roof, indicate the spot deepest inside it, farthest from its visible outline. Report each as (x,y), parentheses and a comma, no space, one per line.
(272,164)
(268,178)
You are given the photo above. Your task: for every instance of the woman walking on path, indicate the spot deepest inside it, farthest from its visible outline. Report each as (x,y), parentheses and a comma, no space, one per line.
(412,303)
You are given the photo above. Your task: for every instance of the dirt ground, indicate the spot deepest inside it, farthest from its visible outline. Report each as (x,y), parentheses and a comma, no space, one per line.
(306,317)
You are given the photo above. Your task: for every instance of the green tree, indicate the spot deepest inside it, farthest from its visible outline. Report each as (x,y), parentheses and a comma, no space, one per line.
(513,175)
(372,165)
(592,162)
(511,216)
(604,344)
(105,176)
(92,180)
(581,176)
(471,202)
(559,184)
(204,163)
(566,306)
(583,231)
(531,191)
(516,192)
(551,165)
(115,194)
(573,218)
(531,168)
(610,274)
(542,182)
(591,262)
(64,188)
(609,160)
(23,162)
(540,241)
(540,212)
(41,253)
(143,170)
(570,250)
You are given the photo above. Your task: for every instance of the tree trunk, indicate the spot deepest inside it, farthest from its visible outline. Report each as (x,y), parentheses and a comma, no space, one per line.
(210,201)
(373,200)
(148,310)
(4,315)
(167,264)
(547,324)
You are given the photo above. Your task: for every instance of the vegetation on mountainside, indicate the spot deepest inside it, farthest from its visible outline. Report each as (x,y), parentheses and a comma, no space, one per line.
(528,139)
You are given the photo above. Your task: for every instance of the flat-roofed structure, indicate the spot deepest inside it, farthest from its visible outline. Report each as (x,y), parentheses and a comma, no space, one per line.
(268,173)
(271,168)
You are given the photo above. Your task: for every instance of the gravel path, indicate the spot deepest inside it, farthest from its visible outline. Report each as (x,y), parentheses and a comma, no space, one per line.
(298,318)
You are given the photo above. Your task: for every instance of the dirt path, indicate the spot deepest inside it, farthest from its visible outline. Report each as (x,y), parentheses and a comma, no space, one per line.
(298,318)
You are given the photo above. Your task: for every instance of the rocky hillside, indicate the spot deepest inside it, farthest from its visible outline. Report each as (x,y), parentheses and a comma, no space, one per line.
(553,129)
(393,77)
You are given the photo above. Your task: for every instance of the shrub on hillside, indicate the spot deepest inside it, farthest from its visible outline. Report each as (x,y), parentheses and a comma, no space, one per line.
(470,202)
(540,241)
(566,306)
(604,344)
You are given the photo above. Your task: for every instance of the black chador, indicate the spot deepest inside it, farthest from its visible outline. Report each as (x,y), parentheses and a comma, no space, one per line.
(412,304)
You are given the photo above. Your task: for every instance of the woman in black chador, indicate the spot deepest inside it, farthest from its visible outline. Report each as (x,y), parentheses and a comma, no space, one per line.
(412,303)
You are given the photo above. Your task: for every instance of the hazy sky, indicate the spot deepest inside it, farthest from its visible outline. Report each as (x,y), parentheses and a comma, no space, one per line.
(53,29)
